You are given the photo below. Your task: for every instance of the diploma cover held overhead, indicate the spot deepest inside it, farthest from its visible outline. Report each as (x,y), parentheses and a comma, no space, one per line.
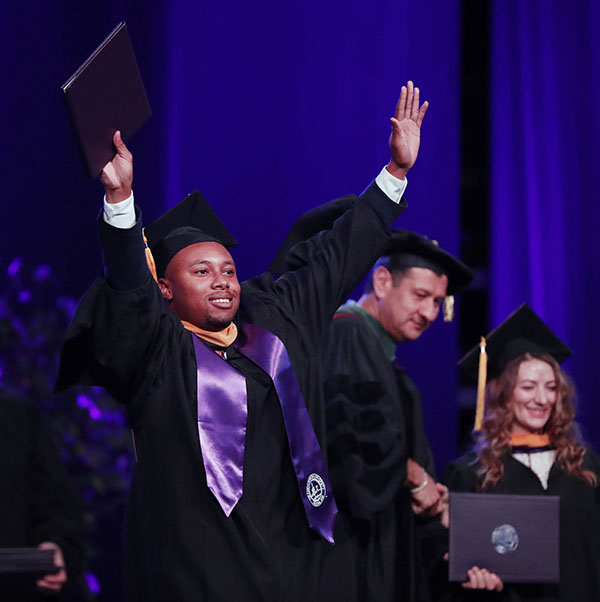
(104,95)
(514,536)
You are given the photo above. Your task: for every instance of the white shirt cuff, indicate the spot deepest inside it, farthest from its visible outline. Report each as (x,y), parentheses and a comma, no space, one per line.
(120,215)
(392,186)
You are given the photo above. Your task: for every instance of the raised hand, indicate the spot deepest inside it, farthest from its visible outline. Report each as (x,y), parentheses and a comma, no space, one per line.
(117,175)
(406,131)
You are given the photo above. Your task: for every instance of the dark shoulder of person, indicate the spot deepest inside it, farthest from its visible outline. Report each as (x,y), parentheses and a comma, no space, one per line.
(461,475)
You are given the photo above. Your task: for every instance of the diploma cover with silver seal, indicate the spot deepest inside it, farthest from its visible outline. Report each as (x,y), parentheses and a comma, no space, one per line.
(514,536)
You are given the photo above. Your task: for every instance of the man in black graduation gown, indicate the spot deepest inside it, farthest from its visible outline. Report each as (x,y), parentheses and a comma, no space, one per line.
(38,507)
(380,461)
(223,386)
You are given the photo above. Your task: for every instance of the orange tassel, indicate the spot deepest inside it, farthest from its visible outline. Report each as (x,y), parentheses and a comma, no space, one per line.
(149,257)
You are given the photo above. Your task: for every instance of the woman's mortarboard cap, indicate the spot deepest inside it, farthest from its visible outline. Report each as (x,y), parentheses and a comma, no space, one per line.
(522,332)
(191,221)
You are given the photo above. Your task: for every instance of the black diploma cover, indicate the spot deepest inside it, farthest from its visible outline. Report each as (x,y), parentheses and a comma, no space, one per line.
(104,95)
(27,560)
(514,536)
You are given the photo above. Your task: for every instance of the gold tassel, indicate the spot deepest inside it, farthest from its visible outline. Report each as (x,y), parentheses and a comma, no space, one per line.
(448,299)
(149,257)
(448,308)
(481,382)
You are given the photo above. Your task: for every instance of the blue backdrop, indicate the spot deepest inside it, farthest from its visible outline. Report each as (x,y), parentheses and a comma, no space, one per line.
(273,111)
(545,219)
(268,109)
(271,108)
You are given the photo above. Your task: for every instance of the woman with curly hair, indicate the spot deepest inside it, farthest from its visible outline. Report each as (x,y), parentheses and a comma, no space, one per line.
(529,444)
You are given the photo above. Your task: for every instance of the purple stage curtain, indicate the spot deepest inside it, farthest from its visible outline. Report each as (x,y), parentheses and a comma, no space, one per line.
(276,107)
(545,117)
(268,108)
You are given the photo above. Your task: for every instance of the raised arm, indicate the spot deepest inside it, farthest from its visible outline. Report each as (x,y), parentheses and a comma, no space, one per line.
(116,332)
(326,267)
(405,138)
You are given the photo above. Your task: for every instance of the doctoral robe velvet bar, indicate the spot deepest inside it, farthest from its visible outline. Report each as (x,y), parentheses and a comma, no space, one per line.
(374,424)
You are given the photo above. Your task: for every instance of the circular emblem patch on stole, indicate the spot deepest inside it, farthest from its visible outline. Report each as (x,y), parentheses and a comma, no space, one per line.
(316,492)
(505,539)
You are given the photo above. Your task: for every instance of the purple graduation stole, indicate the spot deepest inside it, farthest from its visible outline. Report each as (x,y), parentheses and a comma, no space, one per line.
(222,416)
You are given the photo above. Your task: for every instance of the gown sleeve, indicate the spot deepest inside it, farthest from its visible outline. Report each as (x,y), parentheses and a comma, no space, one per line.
(419,449)
(122,332)
(461,475)
(332,263)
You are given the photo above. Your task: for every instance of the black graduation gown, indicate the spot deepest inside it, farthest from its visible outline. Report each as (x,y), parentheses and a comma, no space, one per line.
(579,528)
(374,424)
(180,544)
(37,502)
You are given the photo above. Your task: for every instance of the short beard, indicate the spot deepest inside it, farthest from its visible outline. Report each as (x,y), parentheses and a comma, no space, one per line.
(215,325)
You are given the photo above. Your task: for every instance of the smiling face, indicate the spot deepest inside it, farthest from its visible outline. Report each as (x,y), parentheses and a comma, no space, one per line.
(533,397)
(409,304)
(201,285)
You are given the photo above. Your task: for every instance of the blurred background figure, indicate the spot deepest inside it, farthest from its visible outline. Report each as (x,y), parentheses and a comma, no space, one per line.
(38,507)
(66,459)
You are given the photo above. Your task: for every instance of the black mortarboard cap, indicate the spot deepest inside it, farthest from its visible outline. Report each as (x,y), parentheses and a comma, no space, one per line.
(191,221)
(522,332)
(412,250)
(306,226)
